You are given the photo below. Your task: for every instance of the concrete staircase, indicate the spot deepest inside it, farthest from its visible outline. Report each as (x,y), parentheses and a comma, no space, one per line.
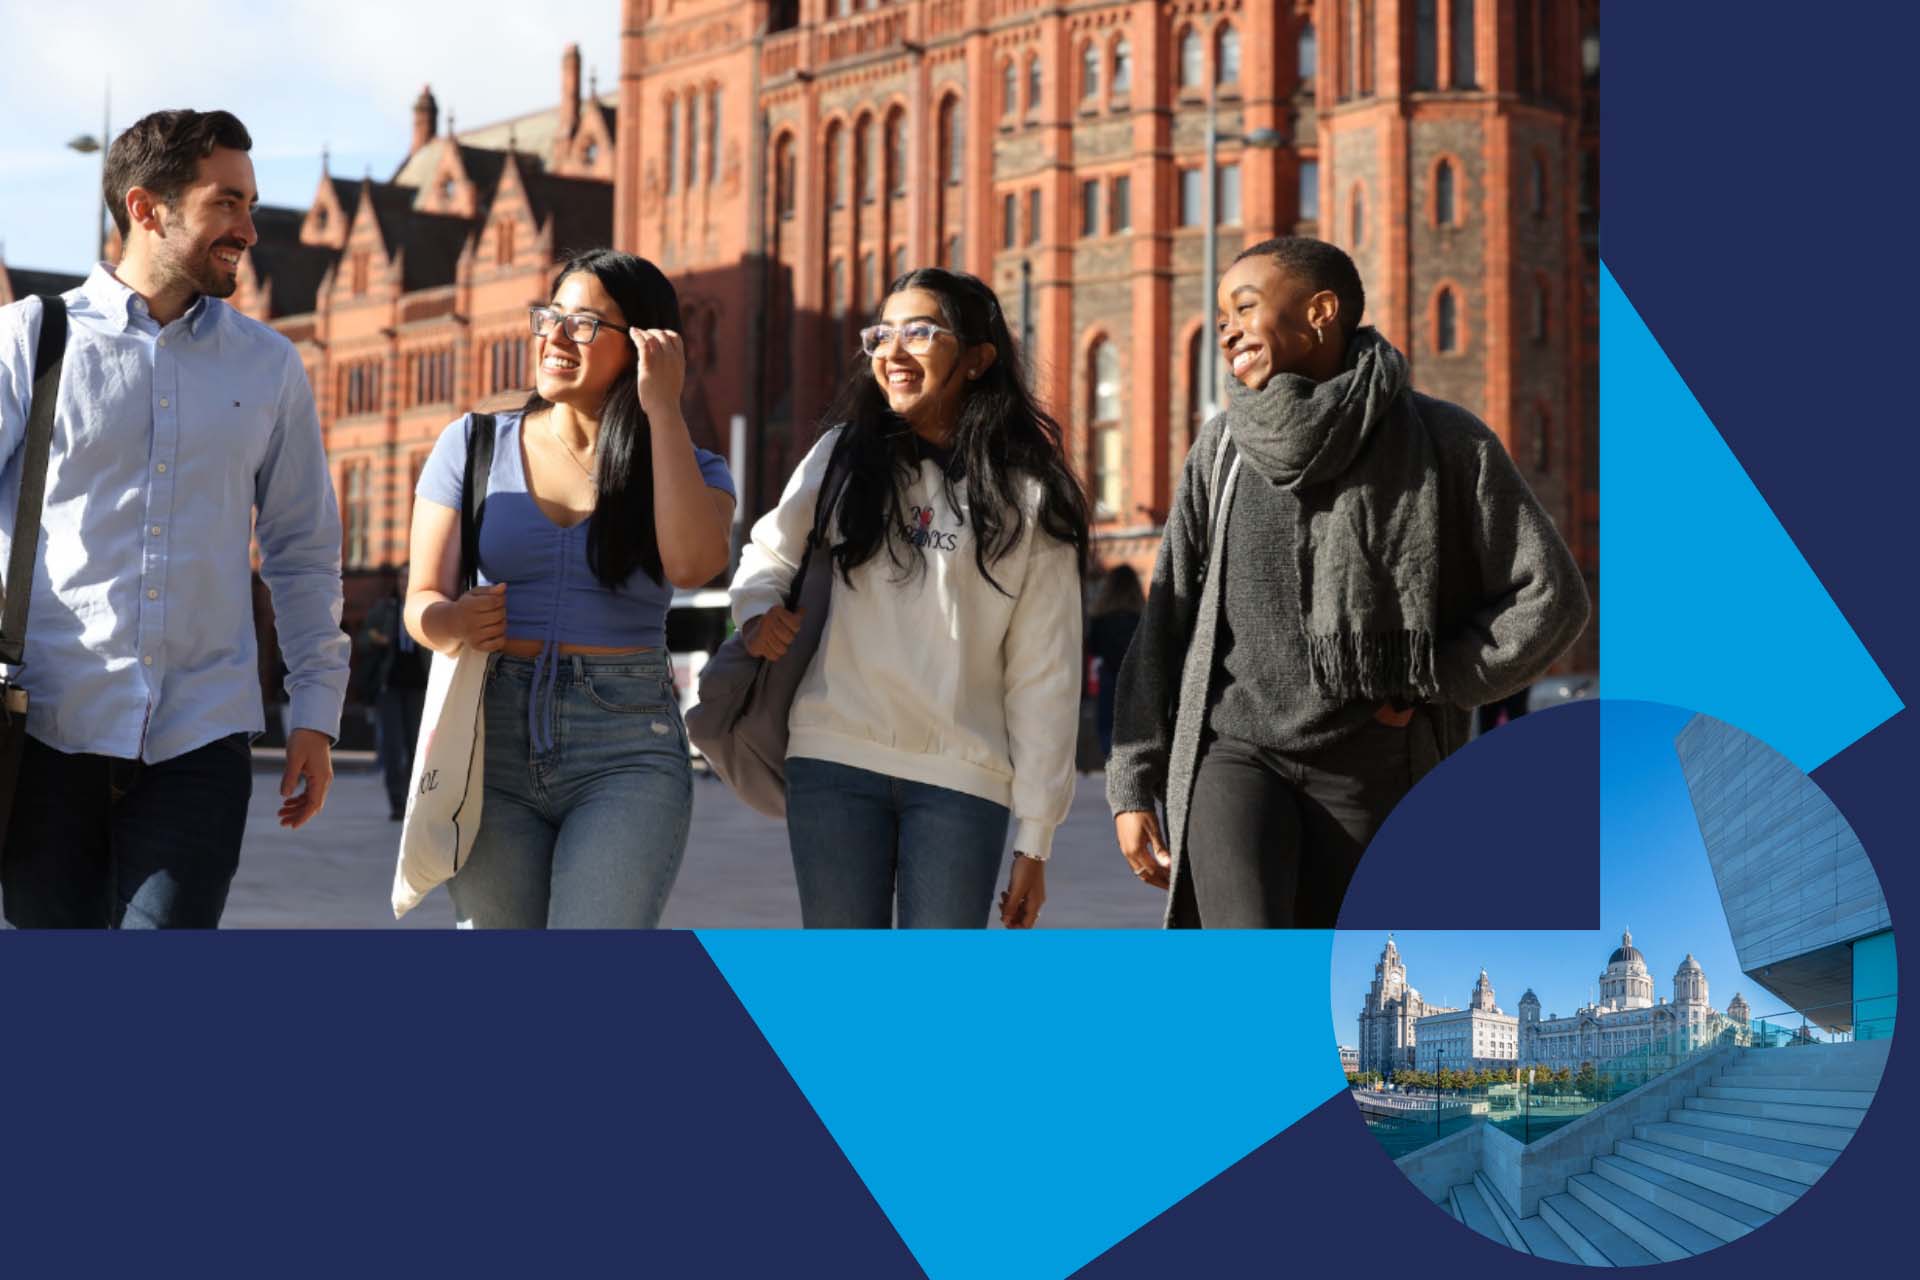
(1722,1163)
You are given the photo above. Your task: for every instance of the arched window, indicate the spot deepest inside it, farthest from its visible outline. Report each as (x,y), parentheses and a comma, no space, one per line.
(1306,53)
(951,141)
(1009,89)
(783,176)
(1089,72)
(865,157)
(1443,203)
(1310,190)
(1226,55)
(869,279)
(836,166)
(1446,335)
(1122,70)
(1033,83)
(693,140)
(1357,216)
(1191,57)
(837,286)
(1103,419)
(1463,68)
(713,134)
(673,141)
(897,152)
(1359,48)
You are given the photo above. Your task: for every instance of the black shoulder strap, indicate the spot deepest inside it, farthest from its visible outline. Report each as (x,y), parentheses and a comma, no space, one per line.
(47,362)
(473,495)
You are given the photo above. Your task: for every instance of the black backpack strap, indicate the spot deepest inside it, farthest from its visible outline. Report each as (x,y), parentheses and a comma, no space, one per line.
(48,360)
(473,495)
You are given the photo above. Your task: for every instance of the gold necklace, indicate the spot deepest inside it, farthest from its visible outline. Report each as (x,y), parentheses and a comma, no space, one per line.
(568,449)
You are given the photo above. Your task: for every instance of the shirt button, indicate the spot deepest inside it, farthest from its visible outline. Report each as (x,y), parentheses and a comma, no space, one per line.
(147,660)
(162,468)
(152,594)
(156,531)
(163,402)
(163,342)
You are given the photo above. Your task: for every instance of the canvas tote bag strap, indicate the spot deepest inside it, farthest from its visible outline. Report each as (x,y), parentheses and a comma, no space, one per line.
(47,362)
(473,495)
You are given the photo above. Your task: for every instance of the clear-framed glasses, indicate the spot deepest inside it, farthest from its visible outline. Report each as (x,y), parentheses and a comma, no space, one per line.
(582,329)
(915,335)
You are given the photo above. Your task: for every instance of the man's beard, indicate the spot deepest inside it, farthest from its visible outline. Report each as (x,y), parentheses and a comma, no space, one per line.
(198,267)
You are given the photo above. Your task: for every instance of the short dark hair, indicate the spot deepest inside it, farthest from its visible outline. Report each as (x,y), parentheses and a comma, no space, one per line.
(1322,266)
(162,152)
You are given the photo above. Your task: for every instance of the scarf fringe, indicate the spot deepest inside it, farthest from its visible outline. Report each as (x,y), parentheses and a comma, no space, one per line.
(1374,666)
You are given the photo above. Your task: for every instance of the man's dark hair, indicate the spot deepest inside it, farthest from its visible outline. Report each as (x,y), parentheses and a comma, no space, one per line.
(162,152)
(1321,266)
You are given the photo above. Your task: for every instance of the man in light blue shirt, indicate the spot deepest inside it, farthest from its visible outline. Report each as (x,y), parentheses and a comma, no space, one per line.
(178,419)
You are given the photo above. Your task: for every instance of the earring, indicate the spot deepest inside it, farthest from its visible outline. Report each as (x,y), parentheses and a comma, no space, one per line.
(1318,337)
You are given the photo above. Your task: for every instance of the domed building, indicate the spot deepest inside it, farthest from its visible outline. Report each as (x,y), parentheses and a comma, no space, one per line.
(1626,1019)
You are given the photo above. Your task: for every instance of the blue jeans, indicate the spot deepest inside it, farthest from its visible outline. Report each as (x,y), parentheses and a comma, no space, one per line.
(98,842)
(587,831)
(859,838)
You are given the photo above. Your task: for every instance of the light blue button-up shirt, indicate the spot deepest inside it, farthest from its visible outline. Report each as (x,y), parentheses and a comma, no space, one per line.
(165,443)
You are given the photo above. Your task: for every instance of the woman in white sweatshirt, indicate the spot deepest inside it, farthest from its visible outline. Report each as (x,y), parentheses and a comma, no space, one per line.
(944,697)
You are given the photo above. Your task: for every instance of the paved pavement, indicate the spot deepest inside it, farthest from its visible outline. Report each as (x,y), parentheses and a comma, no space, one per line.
(337,872)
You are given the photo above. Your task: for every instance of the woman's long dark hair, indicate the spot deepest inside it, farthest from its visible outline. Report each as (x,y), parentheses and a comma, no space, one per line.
(621,535)
(1002,436)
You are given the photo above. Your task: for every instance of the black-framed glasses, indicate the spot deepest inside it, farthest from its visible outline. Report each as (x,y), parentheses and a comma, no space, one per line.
(916,336)
(582,329)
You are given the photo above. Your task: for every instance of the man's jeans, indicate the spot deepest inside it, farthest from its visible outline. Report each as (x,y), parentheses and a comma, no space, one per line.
(400,711)
(98,842)
(859,837)
(587,831)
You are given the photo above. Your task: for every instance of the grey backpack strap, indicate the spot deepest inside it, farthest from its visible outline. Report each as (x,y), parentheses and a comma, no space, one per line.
(481,430)
(48,359)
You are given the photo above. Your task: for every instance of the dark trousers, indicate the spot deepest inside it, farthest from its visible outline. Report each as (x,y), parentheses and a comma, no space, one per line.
(1273,839)
(97,842)
(399,729)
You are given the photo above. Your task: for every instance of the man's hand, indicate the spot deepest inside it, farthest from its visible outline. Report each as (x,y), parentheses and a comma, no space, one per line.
(1139,836)
(1025,893)
(309,756)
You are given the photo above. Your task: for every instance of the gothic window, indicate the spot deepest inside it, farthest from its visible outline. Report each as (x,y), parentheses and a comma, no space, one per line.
(1009,219)
(1226,56)
(673,141)
(692,158)
(1463,51)
(713,134)
(1120,215)
(1309,190)
(864,157)
(783,176)
(1089,73)
(897,152)
(1357,217)
(1443,202)
(1445,323)
(835,167)
(1192,193)
(1426,44)
(1033,83)
(1226,196)
(1191,57)
(1103,417)
(359,515)
(1009,89)
(1122,70)
(951,140)
(1090,207)
(1306,54)
(1033,215)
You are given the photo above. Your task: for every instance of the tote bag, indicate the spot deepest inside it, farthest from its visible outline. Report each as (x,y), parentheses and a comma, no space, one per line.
(449,768)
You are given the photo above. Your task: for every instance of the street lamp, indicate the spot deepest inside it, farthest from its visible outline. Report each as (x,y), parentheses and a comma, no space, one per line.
(1263,139)
(86,144)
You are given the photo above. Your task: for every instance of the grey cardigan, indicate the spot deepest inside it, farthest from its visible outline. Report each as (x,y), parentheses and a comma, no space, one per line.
(1511,601)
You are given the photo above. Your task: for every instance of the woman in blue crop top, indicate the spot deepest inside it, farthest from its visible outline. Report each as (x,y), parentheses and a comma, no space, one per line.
(598,505)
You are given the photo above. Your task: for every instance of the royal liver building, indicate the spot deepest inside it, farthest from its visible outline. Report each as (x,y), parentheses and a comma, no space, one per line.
(1387,1019)
(1627,1019)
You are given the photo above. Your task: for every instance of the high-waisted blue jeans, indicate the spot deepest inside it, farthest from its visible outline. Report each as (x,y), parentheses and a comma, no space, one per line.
(588,832)
(860,839)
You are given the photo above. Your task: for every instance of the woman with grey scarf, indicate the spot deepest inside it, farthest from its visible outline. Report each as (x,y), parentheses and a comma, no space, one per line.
(1350,567)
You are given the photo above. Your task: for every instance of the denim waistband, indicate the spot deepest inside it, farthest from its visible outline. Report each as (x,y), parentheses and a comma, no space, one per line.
(576,667)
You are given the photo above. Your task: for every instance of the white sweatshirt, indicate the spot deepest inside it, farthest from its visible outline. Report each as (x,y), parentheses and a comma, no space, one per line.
(936,676)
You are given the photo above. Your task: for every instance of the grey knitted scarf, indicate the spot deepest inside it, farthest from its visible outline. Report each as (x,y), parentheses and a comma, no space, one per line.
(1364,473)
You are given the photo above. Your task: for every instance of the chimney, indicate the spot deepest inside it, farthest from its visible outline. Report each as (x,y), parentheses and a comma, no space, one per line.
(426,118)
(569,92)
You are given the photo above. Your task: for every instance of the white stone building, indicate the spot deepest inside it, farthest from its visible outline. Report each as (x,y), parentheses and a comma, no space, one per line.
(1627,1021)
(1479,1037)
(1388,1018)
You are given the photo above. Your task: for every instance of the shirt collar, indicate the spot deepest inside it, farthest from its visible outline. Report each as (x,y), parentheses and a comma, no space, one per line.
(115,301)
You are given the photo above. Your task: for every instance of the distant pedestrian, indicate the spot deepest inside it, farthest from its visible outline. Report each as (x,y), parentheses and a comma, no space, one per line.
(179,419)
(1114,618)
(598,505)
(944,696)
(396,687)
(1350,566)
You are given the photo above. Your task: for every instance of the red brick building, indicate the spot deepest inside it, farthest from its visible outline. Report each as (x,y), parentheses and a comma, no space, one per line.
(781,159)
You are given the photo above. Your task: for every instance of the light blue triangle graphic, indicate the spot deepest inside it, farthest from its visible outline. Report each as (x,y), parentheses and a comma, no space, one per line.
(1018,1104)
(1706,602)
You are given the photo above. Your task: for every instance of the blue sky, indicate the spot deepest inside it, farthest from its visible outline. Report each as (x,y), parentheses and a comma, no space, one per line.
(302,75)
(1654,878)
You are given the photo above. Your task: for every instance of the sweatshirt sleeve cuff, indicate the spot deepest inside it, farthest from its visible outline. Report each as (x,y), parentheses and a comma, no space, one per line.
(1033,838)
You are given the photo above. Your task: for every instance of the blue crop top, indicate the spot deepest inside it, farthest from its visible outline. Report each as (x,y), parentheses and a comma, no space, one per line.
(552,595)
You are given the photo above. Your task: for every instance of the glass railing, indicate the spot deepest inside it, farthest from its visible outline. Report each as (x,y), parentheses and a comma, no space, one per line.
(1416,1108)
